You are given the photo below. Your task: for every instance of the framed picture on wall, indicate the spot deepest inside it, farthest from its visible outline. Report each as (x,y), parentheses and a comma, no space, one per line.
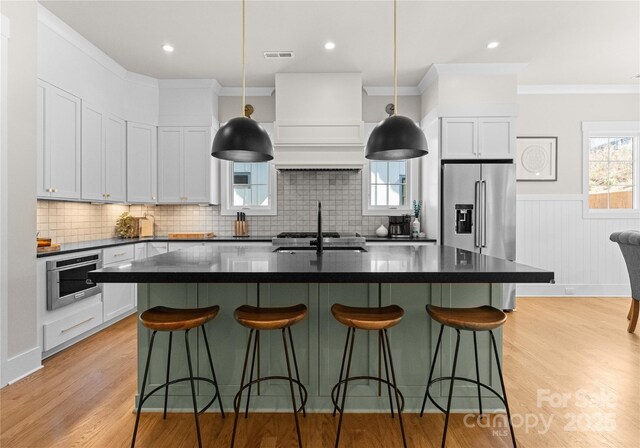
(537,159)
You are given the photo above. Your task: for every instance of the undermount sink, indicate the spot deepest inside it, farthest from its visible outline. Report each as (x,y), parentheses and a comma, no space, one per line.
(326,249)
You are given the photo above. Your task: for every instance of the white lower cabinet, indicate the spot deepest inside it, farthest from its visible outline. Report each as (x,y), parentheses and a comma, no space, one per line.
(157,249)
(117,298)
(68,327)
(184,245)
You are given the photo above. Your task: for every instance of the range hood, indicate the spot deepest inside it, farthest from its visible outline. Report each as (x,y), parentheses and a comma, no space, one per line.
(318,121)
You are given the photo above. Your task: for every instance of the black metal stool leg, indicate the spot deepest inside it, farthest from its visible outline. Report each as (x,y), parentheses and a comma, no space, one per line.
(295,365)
(433,365)
(253,362)
(395,387)
(346,383)
(144,384)
(453,374)
(344,358)
(475,351)
(293,396)
(166,389)
(213,371)
(504,391)
(386,368)
(193,387)
(236,405)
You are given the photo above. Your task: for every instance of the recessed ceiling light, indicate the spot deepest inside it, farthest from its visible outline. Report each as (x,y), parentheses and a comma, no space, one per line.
(329,45)
(168,48)
(492,45)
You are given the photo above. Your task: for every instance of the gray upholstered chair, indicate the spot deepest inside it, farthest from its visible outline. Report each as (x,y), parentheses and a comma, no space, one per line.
(629,242)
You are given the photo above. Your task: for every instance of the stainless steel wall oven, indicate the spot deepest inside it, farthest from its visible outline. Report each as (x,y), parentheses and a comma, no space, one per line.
(67,280)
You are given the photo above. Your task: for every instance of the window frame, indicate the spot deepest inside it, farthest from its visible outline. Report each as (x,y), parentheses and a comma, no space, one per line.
(389,210)
(611,129)
(226,191)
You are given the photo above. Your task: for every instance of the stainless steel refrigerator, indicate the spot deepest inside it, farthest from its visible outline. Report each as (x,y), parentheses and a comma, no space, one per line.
(478,212)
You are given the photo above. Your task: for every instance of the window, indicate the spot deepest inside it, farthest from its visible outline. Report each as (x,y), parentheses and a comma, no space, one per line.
(248,187)
(611,169)
(387,187)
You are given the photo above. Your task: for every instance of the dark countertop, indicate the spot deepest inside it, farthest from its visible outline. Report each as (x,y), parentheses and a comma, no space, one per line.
(68,248)
(382,264)
(111,242)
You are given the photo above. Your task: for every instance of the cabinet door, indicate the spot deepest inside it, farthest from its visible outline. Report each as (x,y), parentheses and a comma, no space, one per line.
(156,249)
(115,159)
(459,138)
(117,298)
(142,163)
(197,164)
(62,137)
(140,251)
(92,153)
(43,162)
(496,138)
(170,166)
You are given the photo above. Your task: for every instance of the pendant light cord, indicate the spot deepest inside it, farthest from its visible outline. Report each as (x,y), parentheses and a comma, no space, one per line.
(244,114)
(395,58)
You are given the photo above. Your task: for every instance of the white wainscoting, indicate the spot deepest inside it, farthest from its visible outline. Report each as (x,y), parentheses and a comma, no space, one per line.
(552,234)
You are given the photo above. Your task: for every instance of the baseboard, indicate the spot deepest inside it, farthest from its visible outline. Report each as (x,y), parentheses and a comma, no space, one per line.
(23,365)
(558,290)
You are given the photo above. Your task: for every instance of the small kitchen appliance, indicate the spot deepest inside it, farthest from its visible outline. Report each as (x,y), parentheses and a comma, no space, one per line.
(400,226)
(67,280)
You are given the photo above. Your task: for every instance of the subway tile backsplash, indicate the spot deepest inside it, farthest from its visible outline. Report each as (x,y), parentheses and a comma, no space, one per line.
(298,192)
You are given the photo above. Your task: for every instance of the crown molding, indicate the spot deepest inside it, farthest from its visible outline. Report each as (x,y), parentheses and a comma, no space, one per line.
(51,21)
(141,79)
(5,27)
(388,90)
(578,89)
(249,91)
(190,84)
(500,69)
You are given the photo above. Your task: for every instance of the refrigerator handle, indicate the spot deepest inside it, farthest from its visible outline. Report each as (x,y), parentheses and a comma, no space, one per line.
(478,214)
(483,185)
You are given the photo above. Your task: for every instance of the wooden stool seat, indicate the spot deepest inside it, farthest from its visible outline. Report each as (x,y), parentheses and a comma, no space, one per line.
(273,318)
(162,318)
(367,318)
(480,318)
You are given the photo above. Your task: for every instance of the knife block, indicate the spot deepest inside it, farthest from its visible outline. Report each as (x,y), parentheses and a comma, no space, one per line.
(240,228)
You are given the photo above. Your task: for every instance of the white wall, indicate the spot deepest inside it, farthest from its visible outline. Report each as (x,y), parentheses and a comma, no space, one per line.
(562,116)
(19,323)
(551,230)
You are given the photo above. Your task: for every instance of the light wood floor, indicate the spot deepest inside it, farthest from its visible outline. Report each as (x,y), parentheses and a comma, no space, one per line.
(577,347)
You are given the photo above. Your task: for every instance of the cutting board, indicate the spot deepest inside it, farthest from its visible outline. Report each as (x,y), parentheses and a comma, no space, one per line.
(54,247)
(190,235)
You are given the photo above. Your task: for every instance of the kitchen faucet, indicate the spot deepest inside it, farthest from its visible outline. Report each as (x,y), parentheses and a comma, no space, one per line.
(318,241)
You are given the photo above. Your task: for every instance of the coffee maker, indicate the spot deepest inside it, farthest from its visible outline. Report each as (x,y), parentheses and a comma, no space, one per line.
(400,226)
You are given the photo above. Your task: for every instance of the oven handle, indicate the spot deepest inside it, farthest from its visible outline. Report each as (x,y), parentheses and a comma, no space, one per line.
(98,264)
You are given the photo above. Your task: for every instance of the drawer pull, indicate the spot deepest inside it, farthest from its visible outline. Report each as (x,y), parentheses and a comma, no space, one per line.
(120,254)
(77,325)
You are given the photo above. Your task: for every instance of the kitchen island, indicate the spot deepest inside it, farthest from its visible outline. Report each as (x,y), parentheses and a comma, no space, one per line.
(409,276)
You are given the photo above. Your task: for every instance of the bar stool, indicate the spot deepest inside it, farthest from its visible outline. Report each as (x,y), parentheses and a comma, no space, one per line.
(369,319)
(258,319)
(162,318)
(483,318)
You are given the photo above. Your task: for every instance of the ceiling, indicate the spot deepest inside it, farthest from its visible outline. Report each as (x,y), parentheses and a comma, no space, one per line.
(563,42)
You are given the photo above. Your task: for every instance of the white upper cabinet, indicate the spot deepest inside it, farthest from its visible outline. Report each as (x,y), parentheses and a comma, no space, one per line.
(104,156)
(184,165)
(58,143)
(142,163)
(478,138)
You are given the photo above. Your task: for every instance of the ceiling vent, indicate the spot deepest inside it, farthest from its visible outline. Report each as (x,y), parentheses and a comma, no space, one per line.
(278,54)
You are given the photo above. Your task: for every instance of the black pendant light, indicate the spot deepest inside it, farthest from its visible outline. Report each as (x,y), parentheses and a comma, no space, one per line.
(242,139)
(396,137)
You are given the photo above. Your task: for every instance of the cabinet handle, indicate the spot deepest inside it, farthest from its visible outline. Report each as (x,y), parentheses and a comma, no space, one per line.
(77,325)
(120,254)
(55,190)
(153,198)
